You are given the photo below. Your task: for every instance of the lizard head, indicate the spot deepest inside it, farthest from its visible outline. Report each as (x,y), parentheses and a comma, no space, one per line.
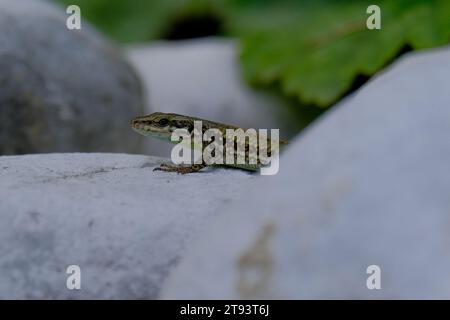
(161,125)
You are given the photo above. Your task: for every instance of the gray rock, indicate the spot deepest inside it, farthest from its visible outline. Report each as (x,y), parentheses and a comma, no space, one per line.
(366,185)
(203,78)
(124,225)
(61,89)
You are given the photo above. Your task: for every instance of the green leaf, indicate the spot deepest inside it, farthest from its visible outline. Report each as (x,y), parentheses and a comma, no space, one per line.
(316,51)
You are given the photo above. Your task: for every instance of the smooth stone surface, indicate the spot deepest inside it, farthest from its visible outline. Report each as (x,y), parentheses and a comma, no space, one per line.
(62,90)
(123,224)
(368,184)
(203,78)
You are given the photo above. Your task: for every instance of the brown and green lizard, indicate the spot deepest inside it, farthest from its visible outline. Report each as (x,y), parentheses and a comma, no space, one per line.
(162,125)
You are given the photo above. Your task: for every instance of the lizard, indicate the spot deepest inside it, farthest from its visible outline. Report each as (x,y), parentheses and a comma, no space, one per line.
(161,125)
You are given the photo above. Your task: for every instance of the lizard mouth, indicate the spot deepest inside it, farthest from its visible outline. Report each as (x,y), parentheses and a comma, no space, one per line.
(141,128)
(147,130)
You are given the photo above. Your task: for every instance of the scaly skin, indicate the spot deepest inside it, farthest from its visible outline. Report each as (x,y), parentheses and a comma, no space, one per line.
(161,125)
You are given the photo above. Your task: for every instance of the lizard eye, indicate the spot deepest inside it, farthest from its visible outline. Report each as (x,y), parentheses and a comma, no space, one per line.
(163,122)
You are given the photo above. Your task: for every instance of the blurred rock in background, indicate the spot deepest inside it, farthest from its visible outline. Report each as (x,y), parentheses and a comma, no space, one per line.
(62,90)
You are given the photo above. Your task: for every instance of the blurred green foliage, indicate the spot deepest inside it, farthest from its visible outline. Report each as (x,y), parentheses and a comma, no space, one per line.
(142,20)
(312,50)
(316,51)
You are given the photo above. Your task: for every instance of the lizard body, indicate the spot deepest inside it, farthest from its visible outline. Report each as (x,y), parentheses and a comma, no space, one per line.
(162,125)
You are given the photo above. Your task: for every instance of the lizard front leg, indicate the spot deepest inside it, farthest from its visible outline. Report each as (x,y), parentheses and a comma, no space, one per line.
(180,169)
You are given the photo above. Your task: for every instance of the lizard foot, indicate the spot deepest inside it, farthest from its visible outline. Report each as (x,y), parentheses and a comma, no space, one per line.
(179,169)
